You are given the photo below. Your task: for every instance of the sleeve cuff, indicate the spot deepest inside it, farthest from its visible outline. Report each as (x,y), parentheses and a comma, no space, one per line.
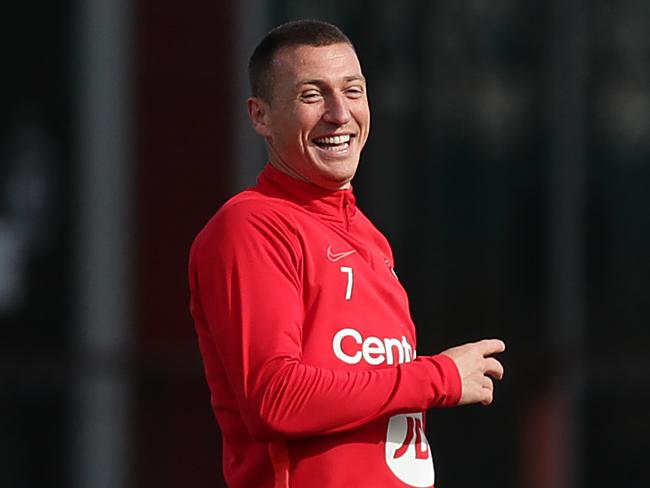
(451,379)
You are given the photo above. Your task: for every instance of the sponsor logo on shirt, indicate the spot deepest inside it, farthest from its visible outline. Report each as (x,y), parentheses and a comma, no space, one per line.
(351,347)
(407,450)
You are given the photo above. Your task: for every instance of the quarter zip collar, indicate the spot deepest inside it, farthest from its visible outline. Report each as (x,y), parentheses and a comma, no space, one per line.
(337,206)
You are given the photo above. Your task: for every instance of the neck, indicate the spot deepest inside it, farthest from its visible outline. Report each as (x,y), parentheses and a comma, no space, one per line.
(281,166)
(287,170)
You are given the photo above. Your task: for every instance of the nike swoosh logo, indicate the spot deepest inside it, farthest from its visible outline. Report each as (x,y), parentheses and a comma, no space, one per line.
(336,256)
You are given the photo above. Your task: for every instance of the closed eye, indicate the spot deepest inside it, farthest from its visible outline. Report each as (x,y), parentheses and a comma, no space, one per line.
(355,92)
(310,96)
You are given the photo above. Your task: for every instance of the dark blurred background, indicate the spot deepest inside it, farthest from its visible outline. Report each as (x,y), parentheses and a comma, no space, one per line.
(508,164)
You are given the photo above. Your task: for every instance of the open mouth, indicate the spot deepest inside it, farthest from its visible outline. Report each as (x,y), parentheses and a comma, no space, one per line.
(334,143)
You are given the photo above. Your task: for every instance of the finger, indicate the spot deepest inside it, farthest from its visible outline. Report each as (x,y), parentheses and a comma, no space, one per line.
(493,368)
(486,383)
(491,346)
(488,396)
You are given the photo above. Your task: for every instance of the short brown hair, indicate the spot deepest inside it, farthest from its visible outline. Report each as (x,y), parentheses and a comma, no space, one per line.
(295,33)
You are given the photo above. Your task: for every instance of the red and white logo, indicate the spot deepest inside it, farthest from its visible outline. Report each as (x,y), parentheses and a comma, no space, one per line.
(408,454)
(336,256)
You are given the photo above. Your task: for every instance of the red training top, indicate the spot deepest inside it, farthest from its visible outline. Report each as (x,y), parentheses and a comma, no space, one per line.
(308,344)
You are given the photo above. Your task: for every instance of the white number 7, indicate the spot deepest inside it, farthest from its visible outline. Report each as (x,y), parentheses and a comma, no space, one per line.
(348,289)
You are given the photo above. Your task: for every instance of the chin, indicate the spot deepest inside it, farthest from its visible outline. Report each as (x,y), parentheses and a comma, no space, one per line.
(337,181)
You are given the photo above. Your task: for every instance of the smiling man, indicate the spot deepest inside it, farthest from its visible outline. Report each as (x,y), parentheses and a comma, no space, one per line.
(315,119)
(305,332)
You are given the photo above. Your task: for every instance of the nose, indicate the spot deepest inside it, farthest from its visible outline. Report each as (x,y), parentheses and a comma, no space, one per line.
(337,110)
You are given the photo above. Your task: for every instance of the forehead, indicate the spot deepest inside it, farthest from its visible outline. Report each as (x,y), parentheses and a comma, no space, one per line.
(336,61)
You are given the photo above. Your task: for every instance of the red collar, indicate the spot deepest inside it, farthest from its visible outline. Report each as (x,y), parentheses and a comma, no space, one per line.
(338,205)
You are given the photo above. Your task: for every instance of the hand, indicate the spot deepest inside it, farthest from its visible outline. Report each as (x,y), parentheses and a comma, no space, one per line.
(477,369)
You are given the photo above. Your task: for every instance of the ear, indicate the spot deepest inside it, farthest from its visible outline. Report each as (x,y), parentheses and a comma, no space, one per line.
(258,112)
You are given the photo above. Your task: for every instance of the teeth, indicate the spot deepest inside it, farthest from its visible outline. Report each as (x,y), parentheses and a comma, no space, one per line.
(333,140)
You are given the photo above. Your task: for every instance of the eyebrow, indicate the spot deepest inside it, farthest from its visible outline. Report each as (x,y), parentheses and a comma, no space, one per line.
(317,81)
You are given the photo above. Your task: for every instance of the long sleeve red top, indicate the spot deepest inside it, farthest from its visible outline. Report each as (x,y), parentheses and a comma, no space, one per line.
(308,345)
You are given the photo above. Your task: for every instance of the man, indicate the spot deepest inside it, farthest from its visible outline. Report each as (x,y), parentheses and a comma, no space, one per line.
(304,328)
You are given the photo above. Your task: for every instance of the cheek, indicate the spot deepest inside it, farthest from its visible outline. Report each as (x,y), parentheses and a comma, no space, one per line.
(307,118)
(362,114)
(363,120)
(294,127)
(285,131)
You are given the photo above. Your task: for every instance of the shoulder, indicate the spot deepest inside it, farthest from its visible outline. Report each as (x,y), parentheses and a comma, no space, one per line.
(248,216)
(249,210)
